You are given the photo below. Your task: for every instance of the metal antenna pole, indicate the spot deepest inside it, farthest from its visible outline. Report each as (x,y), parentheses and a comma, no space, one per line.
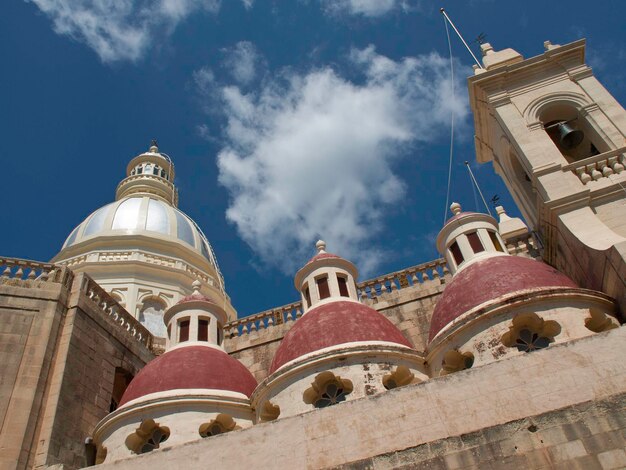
(477,187)
(445,15)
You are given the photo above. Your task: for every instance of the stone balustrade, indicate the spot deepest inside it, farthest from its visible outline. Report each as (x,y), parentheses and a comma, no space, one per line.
(122,187)
(27,270)
(127,256)
(599,166)
(427,273)
(116,312)
(424,274)
(267,319)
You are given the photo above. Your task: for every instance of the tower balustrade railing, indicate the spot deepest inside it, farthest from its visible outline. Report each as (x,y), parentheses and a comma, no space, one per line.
(30,274)
(107,304)
(26,270)
(599,166)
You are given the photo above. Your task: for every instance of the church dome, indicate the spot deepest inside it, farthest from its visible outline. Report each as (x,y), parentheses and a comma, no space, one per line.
(332,324)
(191,367)
(142,215)
(489,280)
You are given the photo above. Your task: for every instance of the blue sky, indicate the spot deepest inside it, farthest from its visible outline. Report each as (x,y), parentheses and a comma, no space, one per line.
(287,120)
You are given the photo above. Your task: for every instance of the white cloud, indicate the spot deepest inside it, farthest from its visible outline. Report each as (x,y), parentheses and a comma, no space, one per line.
(370,8)
(248,3)
(204,80)
(312,155)
(241,61)
(119,29)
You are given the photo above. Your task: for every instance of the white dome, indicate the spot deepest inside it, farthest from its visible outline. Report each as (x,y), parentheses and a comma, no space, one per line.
(142,215)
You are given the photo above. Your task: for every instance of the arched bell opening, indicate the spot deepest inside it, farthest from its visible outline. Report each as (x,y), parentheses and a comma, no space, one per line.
(572,133)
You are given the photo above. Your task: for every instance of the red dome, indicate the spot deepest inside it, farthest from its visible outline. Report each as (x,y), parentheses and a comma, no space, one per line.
(489,279)
(191,367)
(320,256)
(332,324)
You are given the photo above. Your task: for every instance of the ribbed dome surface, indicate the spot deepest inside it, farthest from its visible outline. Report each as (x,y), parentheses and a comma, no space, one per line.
(488,280)
(191,367)
(141,215)
(332,324)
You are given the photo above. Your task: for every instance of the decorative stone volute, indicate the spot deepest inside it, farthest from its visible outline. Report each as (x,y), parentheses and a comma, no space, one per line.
(150,173)
(326,278)
(467,237)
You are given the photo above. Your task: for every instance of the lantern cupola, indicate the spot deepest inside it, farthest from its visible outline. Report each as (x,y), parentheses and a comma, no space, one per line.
(326,278)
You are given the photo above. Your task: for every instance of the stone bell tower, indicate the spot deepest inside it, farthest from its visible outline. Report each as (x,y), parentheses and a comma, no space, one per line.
(556,137)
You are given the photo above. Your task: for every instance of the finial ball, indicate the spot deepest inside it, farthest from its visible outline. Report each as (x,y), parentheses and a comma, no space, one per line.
(196,286)
(455,207)
(321,246)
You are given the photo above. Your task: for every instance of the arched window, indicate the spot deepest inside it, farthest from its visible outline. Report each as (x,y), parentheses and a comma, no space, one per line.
(151,316)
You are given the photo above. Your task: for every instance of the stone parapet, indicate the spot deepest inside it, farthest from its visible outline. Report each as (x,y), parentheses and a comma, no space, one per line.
(568,411)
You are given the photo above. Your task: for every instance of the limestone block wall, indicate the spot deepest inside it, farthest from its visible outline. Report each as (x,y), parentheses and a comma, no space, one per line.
(256,349)
(613,213)
(31,313)
(563,407)
(61,339)
(90,348)
(587,436)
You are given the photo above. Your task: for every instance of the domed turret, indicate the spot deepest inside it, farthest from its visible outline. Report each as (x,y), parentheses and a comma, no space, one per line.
(193,390)
(468,237)
(142,248)
(497,304)
(338,349)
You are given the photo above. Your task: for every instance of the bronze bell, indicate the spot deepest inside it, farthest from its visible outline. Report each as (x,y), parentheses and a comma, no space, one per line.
(569,137)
